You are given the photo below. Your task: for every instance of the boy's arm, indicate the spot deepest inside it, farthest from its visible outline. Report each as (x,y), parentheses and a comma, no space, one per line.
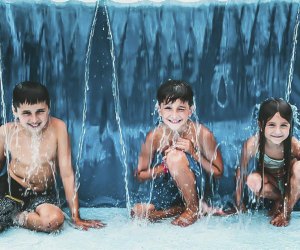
(2,144)
(209,155)
(144,172)
(68,178)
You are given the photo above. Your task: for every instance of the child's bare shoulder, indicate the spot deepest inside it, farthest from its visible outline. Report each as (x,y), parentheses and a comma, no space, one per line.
(252,141)
(154,134)
(58,125)
(296,147)
(6,128)
(251,146)
(203,131)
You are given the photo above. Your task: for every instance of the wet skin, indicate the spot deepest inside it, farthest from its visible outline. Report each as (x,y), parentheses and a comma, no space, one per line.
(39,144)
(174,137)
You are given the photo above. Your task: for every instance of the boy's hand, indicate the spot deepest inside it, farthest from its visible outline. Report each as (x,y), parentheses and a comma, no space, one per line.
(185,145)
(86,224)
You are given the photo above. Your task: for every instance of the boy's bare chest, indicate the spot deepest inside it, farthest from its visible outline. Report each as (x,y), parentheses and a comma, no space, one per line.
(26,149)
(164,142)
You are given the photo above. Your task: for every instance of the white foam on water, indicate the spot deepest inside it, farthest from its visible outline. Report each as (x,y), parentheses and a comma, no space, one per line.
(247,231)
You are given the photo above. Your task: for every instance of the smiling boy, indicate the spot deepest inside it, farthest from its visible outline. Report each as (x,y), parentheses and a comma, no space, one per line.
(37,145)
(174,155)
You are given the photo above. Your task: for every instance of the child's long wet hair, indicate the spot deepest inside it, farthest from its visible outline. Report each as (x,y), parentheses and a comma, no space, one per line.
(31,93)
(171,90)
(267,110)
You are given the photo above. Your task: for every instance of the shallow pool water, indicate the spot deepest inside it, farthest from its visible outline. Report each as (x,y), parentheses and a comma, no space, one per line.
(247,231)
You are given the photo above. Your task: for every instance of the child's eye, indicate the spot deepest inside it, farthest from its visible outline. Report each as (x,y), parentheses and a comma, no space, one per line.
(26,113)
(167,107)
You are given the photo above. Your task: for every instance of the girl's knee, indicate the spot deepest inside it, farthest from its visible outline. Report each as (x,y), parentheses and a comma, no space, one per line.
(254,182)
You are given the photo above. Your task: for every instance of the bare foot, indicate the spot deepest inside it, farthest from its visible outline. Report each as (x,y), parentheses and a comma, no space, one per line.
(219,212)
(150,213)
(163,214)
(281,220)
(275,210)
(188,217)
(141,210)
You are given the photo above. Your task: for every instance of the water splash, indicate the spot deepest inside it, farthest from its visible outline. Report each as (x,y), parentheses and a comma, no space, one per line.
(4,118)
(84,111)
(115,90)
(3,113)
(291,69)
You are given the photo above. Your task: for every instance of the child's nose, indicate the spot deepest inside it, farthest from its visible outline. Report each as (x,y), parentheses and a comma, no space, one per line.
(278,130)
(34,118)
(174,113)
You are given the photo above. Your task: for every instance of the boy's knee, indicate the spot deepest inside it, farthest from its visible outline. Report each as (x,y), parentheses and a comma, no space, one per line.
(53,221)
(175,157)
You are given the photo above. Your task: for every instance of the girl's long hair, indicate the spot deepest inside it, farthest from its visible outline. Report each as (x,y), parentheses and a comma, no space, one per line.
(267,110)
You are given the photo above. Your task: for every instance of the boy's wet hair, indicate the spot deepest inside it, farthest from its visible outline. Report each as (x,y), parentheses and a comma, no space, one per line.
(267,110)
(171,90)
(31,93)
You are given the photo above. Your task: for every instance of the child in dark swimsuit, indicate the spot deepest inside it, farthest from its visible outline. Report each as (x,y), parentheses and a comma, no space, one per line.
(278,173)
(174,155)
(35,147)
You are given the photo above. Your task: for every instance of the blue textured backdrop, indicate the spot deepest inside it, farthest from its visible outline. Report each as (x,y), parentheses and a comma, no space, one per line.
(233,55)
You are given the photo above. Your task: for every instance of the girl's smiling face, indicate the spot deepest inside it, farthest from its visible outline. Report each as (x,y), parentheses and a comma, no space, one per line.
(277,129)
(175,115)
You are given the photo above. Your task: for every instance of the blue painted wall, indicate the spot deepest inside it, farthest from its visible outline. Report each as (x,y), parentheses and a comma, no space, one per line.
(233,55)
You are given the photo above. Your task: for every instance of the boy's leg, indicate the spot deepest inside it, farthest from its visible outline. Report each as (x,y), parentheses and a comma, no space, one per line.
(46,218)
(178,165)
(283,218)
(141,210)
(148,211)
(9,208)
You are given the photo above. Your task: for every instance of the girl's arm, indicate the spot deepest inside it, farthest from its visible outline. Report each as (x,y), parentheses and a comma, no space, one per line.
(248,151)
(296,148)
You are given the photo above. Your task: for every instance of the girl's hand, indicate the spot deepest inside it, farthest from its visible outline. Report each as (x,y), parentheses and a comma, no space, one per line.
(185,145)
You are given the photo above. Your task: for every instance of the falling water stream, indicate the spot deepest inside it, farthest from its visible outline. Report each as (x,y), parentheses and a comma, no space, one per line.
(116,95)
(292,61)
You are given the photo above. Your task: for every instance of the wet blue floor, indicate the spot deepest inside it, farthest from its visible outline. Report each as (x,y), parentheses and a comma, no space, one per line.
(248,231)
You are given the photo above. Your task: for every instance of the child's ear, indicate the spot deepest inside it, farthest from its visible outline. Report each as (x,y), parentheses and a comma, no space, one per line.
(157,107)
(14,110)
(259,124)
(192,109)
